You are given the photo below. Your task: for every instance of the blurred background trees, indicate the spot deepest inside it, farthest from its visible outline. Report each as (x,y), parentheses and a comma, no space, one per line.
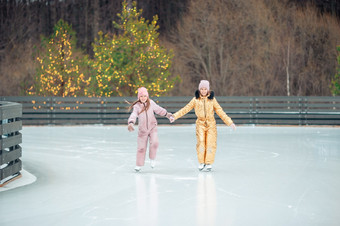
(251,47)
(132,58)
(244,47)
(335,87)
(62,69)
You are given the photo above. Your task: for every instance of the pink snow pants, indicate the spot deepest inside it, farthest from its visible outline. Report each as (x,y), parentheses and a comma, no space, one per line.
(142,142)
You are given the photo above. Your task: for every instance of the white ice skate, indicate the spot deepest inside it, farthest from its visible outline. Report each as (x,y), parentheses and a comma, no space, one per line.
(209,167)
(152,163)
(201,166)
(138,168)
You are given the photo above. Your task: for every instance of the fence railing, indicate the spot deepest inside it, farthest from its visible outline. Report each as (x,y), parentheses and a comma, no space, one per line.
(10,138)
(243,110)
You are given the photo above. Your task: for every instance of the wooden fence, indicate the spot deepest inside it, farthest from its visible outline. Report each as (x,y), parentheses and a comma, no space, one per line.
(10,138)
(243,110)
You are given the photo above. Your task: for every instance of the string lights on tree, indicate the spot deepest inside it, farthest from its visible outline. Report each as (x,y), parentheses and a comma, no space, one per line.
(131,58)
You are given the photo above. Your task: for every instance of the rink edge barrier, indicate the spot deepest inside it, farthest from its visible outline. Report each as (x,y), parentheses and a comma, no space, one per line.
(10,140)
(272,110)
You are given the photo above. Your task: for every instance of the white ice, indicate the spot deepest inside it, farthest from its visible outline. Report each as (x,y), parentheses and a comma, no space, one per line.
(265,176)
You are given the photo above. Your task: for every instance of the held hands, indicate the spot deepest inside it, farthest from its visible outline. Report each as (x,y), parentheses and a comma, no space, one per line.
(233,126)
(130,127)
(170,117)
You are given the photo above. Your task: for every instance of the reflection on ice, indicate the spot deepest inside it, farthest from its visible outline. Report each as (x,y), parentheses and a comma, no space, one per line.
(206,200)
(83,175)
(147,200)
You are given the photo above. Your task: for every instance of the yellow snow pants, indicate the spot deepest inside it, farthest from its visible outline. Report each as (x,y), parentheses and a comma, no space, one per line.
(206,135)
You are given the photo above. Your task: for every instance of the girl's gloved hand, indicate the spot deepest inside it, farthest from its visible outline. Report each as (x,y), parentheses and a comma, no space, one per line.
(233,126)
(130,127)
(170,117)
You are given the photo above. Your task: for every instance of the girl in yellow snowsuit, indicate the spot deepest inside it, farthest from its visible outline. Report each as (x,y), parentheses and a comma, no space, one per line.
(205,104)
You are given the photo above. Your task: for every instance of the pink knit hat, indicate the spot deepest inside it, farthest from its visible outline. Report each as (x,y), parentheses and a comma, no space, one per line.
(142,91)
(204,84)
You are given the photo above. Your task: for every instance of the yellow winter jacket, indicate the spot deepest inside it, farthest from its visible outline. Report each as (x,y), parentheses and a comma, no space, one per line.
(204,110)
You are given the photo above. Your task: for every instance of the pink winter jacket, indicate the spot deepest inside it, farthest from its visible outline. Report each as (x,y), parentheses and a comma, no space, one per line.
(146,119)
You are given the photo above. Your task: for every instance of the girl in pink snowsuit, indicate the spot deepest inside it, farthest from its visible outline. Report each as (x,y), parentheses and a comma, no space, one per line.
(144,108)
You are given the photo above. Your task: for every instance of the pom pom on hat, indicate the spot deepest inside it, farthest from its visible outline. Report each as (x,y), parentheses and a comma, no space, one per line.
(204,84)
(142,91)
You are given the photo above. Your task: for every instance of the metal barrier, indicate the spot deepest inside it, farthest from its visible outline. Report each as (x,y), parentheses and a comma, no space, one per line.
(243,110)
(10,138)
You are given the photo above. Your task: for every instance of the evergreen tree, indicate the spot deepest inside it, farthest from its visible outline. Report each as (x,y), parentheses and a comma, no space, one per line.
(131,58)
(60,65)
(335,87)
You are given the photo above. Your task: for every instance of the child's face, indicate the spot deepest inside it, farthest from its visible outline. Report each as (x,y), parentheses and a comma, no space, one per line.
(143,98)
(204,91)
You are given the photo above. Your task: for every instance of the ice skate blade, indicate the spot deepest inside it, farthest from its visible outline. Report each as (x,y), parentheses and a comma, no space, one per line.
(201,167)
(208,167)
(152,164)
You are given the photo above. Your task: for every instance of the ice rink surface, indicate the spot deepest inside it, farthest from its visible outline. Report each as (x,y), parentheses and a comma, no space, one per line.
(265,176)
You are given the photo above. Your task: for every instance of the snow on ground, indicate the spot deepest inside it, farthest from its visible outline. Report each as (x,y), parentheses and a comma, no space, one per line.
(25,179)
(83,175)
